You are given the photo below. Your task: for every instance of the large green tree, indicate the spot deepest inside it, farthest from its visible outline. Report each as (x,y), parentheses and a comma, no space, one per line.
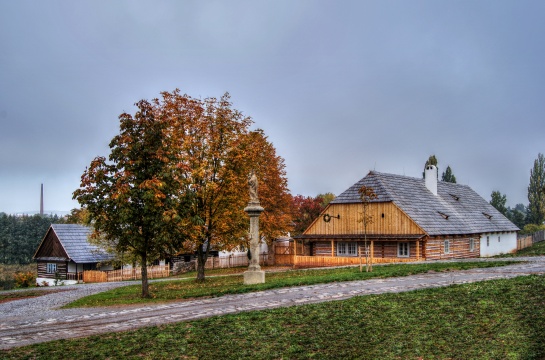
(133,200)
(448,176)
(326,198)
(21,235)
(536,192)
(517,215)
(498,201)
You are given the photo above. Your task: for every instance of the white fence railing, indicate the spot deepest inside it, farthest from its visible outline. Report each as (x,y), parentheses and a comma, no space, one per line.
(234,261)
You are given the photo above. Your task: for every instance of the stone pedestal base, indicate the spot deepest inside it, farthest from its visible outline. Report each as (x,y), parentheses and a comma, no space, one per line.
(254,277)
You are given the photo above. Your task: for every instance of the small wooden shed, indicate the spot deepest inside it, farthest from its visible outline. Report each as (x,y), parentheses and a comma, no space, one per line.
(412,219)
(65,253)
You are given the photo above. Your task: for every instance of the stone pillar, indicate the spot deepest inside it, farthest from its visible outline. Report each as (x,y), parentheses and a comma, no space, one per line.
(254,275)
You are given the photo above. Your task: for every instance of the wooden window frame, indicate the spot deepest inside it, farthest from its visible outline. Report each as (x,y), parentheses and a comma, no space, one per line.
(403,249)
(471,244)
(347,249)
(51,268)
(446,246)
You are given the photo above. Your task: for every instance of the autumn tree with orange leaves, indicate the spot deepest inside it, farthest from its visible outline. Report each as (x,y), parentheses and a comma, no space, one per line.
(273,190)
(133,201)
(216,152)
(183,173)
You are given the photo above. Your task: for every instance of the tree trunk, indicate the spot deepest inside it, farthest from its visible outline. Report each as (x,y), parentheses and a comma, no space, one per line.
(144,267)
(202,256)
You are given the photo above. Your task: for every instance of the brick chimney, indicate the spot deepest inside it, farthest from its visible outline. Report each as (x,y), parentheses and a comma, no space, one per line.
(430,175)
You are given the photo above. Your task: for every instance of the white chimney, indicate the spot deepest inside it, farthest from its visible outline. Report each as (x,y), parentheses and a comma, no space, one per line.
(430,175)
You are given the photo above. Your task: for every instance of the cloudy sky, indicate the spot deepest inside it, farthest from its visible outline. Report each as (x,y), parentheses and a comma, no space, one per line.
(340,87)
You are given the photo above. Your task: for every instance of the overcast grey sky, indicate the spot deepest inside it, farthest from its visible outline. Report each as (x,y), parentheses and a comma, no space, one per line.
(340,87)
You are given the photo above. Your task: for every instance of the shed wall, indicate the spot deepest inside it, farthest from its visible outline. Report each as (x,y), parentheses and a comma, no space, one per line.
(42,269)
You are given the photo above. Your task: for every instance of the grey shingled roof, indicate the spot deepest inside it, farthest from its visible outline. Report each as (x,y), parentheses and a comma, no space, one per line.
(73,238)
(464,207)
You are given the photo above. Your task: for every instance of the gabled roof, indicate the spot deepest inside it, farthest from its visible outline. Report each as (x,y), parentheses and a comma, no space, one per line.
(456,209)
(74,240)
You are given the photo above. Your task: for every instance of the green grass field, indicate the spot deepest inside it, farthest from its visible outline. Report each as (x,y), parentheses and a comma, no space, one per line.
(233,284)
(502,319)
(537,249)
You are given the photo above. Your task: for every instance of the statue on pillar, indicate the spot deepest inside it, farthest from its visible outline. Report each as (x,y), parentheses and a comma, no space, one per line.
(254,275)
(253,188)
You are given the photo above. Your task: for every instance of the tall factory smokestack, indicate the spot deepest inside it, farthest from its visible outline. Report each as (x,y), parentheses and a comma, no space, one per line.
(42,200)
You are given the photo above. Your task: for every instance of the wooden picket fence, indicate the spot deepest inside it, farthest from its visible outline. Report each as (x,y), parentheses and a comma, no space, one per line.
(538,236)
(154,272)
(234,261)
(524,242)
(323,261)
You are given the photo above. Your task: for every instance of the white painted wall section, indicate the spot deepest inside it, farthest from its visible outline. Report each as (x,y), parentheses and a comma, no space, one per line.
(498,243)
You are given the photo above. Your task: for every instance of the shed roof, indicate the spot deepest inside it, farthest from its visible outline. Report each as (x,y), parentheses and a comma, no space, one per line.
(74,239)
(455,210)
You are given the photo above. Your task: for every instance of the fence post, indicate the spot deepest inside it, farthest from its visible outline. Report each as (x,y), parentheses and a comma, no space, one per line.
(294,252)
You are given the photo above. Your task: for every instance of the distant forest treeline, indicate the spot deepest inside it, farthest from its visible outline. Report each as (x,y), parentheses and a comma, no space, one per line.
(21,235)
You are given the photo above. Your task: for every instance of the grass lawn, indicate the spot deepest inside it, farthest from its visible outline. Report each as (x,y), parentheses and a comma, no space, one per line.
(537,249)
(24,293)
(501,319)
(217,286)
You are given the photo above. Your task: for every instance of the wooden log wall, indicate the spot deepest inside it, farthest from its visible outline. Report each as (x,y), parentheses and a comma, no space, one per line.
(381,249)
(459,247)
(61,270)
(319,261)
(387,219)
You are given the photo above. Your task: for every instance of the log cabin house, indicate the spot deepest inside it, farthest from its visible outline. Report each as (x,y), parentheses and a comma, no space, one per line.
(65,253)
(411,219)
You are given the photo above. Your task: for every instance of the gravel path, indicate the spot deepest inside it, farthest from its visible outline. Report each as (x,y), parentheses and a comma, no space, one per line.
(34,320)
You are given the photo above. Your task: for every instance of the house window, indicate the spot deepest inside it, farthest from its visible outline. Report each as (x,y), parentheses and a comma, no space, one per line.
(471,244)
(347,249)
(447,246)
(498,239)
(488,241)
(51,268)
(403,249)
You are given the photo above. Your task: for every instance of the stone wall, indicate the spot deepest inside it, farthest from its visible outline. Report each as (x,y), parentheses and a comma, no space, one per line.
(181,267)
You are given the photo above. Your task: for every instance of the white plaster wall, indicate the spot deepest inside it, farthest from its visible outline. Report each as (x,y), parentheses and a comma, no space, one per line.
(263,249)
(51,282)
(507,243)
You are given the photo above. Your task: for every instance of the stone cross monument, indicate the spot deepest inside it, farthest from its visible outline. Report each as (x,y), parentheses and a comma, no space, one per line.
(254,275)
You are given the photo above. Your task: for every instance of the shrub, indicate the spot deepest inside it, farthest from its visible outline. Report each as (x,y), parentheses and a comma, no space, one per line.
(24,279)
(7,274)
(7,284)
(531,228)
